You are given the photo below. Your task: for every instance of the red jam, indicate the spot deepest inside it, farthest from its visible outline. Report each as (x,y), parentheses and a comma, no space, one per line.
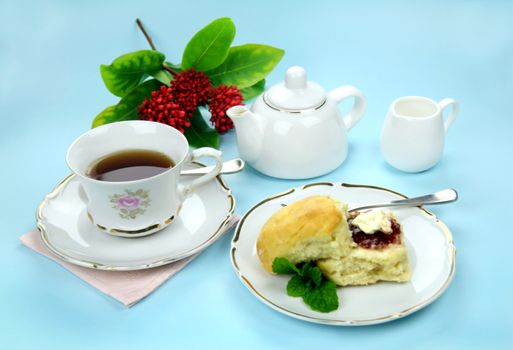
(377,240)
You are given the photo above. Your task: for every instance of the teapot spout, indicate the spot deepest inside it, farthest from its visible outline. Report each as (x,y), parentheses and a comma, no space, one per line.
(249,131)
(236,113)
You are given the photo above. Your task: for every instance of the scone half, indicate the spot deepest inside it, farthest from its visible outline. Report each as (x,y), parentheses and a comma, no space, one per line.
(373,256)
(310,229)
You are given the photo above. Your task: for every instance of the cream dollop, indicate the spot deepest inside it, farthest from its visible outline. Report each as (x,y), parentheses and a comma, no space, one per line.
(375,220)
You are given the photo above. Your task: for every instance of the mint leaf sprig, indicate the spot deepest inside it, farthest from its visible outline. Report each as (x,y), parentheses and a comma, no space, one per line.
(309,283)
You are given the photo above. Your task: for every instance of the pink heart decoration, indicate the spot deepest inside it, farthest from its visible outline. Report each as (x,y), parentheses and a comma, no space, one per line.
(128,202)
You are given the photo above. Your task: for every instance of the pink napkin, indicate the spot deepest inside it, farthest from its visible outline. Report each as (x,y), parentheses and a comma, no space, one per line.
(127,287)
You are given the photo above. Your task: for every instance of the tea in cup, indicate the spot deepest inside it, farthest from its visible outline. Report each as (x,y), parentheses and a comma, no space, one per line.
(130,174)
(413,134)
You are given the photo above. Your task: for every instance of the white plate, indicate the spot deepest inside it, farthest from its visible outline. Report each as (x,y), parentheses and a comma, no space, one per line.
(428,241)
(67,231)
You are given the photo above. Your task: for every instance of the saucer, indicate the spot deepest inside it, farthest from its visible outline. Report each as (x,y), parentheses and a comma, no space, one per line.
(428,241)
(67,231)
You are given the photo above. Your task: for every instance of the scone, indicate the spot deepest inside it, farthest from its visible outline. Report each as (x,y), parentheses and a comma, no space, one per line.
(310,229)
(377,252)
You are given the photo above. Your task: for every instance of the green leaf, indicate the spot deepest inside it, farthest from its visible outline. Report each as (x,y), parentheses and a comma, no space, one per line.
(163,76)
(246,65)
(126,109)
(308,282)
(209,47)
(282,266)
(199,134)
(298,286)
(323,298)
(130,70)
(312,272)
(104,116)
(176,67)
(253,90)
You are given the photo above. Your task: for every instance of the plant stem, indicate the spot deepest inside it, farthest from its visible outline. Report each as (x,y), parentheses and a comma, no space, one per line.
(140,25)
(148,38)
(170,70)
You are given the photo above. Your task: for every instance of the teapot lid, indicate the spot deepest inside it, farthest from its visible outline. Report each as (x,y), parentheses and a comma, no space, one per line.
(296,93)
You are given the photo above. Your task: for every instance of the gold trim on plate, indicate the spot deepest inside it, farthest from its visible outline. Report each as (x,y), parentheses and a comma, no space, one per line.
(170,220)
(445,230)
(304,187)
(133,232)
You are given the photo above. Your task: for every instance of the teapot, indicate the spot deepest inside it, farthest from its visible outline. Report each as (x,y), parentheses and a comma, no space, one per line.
(295,130)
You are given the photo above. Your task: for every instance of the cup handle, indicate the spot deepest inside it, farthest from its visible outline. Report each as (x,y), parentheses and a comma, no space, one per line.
(446,102)
(356,113)
(185,190)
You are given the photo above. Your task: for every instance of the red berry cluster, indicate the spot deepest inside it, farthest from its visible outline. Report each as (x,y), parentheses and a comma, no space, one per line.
(162,108)
(222,98)
(189,89)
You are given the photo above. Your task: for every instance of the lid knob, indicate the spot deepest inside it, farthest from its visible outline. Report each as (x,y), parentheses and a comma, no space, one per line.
(296,93)
(295,78)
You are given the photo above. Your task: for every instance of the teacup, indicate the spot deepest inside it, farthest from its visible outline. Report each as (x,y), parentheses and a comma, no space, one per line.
(414,131)
(140,207)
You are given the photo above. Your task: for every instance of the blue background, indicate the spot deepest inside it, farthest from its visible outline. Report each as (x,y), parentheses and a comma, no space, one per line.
(50,89)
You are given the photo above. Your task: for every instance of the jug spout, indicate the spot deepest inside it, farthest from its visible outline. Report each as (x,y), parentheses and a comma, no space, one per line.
(249,131)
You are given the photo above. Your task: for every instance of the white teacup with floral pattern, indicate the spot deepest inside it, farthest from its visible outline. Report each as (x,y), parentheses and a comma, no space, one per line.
(141,207)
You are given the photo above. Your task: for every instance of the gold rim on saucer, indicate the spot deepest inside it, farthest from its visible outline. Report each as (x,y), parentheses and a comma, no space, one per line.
(94,265)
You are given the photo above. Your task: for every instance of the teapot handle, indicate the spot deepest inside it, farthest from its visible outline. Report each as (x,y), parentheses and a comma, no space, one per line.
(356,113)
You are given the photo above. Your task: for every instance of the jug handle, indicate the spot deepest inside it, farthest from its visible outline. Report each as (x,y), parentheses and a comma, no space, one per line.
(446,102)
(356,113)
